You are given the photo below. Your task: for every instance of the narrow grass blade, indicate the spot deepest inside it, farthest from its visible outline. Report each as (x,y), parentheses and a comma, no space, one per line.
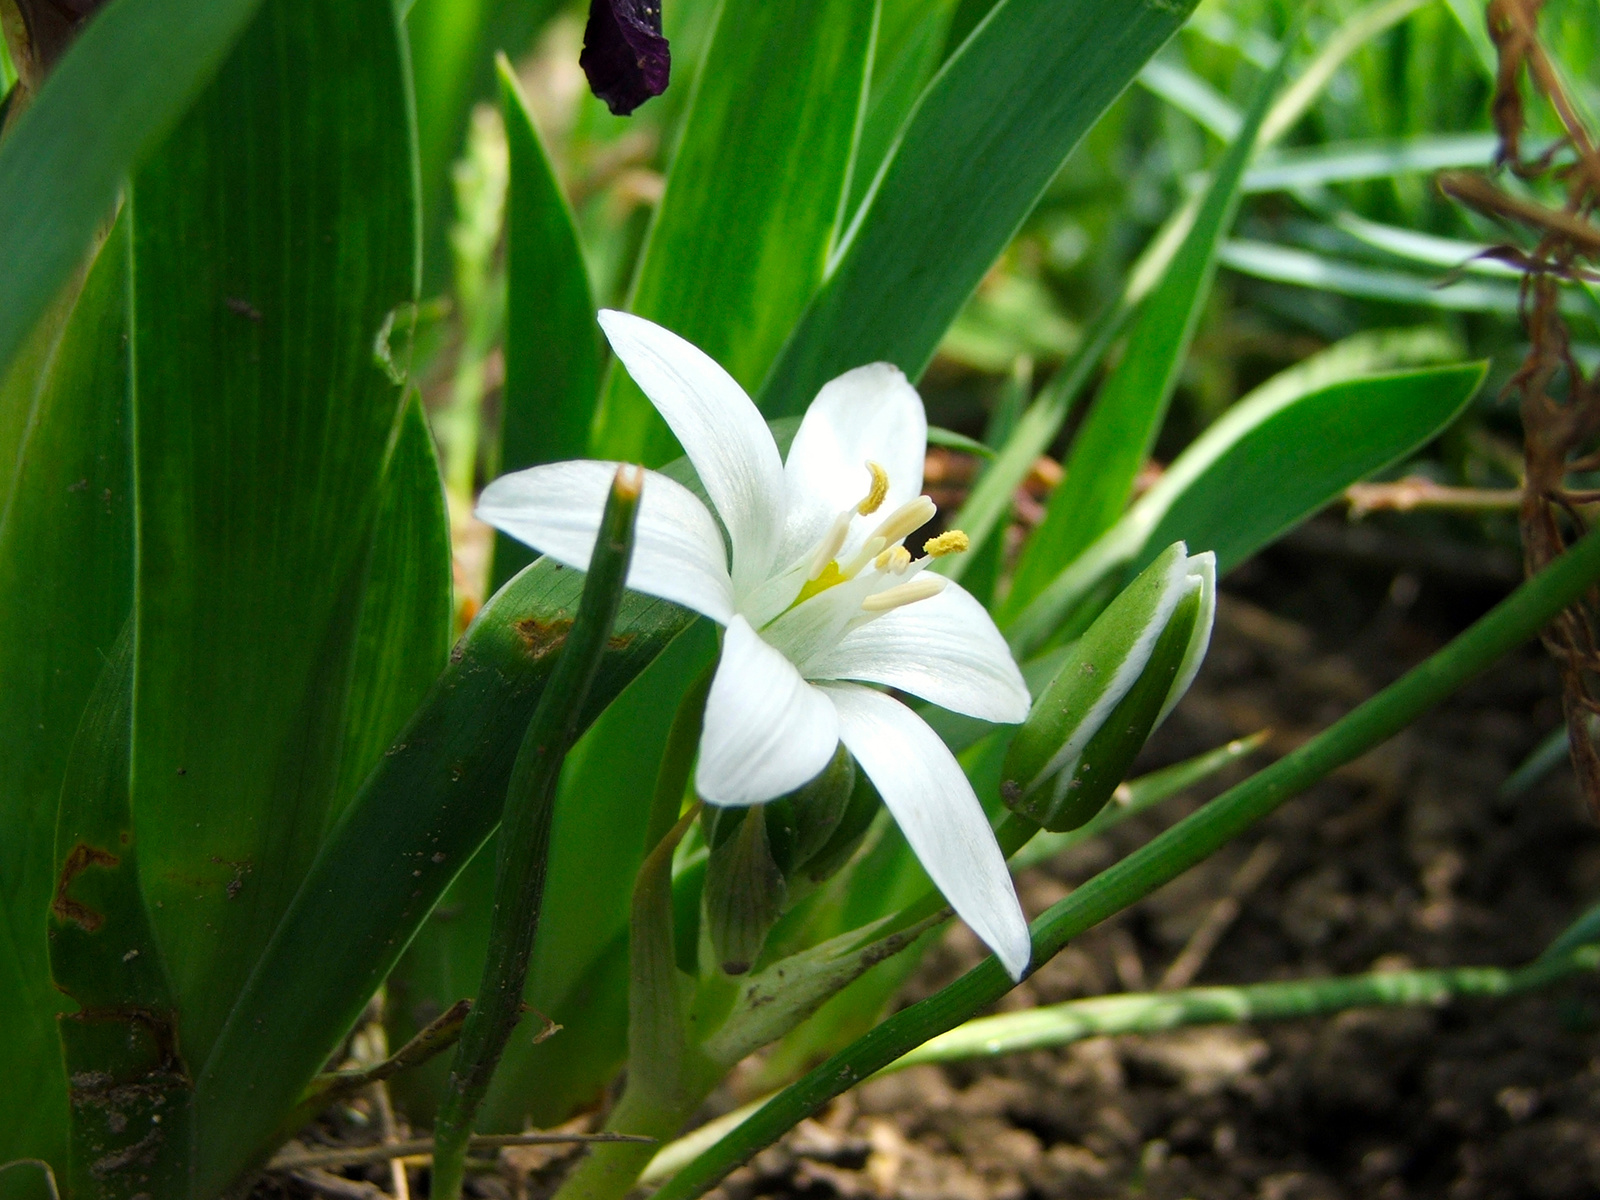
(1156,1012)
(1122,426)
(985,138)
(753,199)
(1510,623)
(1351,162)
(552,345)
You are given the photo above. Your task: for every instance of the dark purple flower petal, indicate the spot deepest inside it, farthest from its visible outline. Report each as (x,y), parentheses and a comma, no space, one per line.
(624,55)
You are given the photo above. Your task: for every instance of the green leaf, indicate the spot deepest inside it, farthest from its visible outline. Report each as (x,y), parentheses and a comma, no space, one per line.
(130,1086)
(1348,162)
(753,200)
(552,345)
(403,632)
(1271,461)
(66,571)
(1304,268)
(1121,427)
(426,809)
(109,101)
(1269,473)
(273,237)
(987,135)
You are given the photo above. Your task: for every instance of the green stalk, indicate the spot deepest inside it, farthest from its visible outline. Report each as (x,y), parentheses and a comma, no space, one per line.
(1157,1012)
(525,837)
(1510,623)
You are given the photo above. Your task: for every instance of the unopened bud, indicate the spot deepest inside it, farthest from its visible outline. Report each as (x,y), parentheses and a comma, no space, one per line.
(1117,684)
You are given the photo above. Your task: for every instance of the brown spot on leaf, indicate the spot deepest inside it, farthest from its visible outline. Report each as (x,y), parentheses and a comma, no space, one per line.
(541,637)
(64,907)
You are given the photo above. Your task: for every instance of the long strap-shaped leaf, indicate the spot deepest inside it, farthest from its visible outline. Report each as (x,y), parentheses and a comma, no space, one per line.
(988,134)
(1121,427)
(425,810)
(66,570)
(108,102)
(273,235)
(552,345)
(1510,623)
(753,200)
(1271,461)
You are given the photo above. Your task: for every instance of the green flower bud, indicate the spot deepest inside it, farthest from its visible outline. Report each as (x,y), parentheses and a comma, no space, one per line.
(1119,682)
(744,891)
(765,858)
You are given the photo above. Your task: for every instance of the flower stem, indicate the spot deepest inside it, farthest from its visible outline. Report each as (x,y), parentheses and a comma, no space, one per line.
(525,838)
(1511,622)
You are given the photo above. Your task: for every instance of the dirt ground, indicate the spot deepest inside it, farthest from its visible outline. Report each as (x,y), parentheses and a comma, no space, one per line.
(1405,858)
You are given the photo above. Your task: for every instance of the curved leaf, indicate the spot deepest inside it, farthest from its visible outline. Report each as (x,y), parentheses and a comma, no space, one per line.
(985,138)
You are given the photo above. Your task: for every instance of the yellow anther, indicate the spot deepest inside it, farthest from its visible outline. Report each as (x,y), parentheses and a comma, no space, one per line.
(920,588)
(893,561)
(877,492)
(951,541)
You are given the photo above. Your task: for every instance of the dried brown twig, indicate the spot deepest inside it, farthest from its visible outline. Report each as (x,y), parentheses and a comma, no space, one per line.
(1560,406)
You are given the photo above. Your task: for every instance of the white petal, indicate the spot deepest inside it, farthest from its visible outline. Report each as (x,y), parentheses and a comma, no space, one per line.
(869,414)
(934,805)
(720,430)
(945,649)
(678,552)
(767,731)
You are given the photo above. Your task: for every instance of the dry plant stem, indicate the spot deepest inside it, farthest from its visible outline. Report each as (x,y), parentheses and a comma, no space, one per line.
(1417,492)
(1511,622)
(525,837)
(419,1151)
(1219,917)
(1560,406)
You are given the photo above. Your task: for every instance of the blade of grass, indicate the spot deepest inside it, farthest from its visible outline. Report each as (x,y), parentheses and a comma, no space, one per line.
(552,345)
(1117,434)
(1509,624)
(987,135)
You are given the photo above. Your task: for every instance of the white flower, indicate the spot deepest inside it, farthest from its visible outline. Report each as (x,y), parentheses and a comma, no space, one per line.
(820,590)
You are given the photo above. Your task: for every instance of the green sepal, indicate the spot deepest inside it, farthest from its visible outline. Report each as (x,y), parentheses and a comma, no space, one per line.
(863,804)
(803,822)
(744,892)
(1116,684)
